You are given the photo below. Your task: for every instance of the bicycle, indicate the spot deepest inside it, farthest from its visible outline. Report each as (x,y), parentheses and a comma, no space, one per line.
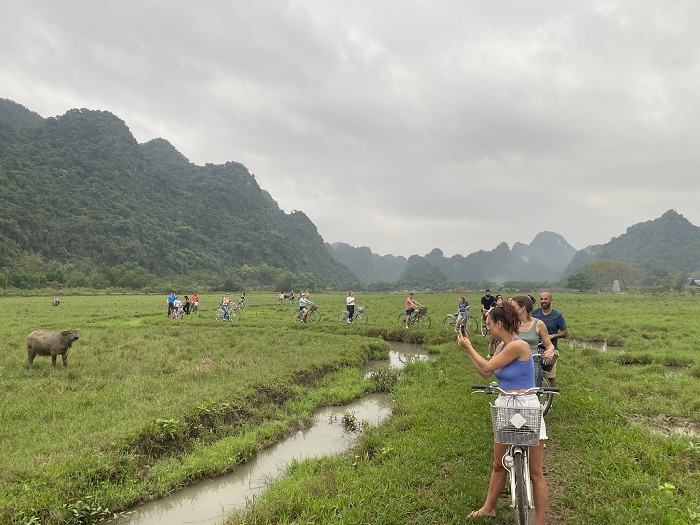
(470,322)
(519,427)
(359,317)
(484,329)
(313,316)
(546,399)
(419,316)
(233,314)
(194,308)
(177,313)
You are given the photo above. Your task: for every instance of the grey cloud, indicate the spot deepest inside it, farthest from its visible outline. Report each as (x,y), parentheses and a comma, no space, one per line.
(388,123)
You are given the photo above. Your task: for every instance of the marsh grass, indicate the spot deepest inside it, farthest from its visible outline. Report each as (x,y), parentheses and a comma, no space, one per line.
(149,404)
(430,462)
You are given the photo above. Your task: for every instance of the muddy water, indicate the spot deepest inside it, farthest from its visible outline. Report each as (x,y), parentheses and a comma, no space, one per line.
(210,501)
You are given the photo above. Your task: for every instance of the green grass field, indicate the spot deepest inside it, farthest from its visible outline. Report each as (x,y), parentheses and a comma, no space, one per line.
(148,404)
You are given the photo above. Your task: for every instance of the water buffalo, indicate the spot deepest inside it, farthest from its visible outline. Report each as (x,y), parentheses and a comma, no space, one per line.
(42,342)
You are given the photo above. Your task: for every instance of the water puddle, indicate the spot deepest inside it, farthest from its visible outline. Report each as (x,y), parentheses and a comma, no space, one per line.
(587,345)
(668,425)
(335,430)
(399,354)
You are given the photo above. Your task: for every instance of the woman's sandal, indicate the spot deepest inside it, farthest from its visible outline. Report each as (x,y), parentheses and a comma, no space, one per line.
(479,514)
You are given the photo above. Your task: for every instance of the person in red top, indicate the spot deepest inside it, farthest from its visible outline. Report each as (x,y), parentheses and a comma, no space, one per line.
(411,304)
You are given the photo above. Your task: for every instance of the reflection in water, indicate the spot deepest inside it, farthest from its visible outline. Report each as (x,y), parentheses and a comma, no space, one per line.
(210,501)
(399,355)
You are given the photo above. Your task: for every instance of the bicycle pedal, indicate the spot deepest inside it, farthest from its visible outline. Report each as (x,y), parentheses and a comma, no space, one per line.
(505,493)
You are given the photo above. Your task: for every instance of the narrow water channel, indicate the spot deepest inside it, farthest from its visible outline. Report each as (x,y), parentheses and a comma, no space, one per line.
(209,501)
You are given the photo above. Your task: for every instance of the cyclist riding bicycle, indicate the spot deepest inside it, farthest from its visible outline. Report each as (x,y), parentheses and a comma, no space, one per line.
(462,311)
(411,304)
(304,303)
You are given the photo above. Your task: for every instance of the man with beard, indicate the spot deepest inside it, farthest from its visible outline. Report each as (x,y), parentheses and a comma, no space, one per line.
(556,328)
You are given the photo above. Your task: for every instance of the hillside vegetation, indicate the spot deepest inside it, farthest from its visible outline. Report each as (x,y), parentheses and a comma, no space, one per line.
(79,196)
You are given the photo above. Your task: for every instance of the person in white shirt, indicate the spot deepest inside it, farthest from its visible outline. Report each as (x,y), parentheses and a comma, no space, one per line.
(350,301)
(177,304)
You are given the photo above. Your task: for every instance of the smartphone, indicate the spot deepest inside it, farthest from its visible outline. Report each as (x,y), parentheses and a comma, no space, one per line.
(463,329)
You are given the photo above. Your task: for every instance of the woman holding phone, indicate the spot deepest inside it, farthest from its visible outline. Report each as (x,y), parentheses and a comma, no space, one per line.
(513,366)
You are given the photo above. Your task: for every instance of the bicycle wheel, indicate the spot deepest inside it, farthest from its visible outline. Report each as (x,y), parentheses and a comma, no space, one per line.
(472,325)
(546,399)
(234,315)
(219,314)
(313,317)
(360,318)
(424,321)
(484,329)
(449,322)
(343,316)
(296,316)
(522,508)
(179,314)
(402,320)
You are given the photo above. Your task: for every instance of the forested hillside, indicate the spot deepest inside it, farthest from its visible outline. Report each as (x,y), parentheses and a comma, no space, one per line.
(666,244)
(82,203)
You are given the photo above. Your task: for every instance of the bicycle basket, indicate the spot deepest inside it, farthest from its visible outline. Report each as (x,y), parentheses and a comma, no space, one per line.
(423,310)
(314,307)
(360,308)
(547,367)
(516,425)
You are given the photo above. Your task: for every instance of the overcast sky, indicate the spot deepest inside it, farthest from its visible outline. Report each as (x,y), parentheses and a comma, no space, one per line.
(399,125)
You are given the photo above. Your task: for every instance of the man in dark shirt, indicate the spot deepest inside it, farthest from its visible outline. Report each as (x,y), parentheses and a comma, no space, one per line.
(487,302)
(556,328)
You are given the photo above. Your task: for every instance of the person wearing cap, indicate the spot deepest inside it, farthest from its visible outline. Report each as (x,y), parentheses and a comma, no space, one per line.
(304,303)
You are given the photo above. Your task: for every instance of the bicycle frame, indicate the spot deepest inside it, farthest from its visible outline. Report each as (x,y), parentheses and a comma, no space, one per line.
(511,463)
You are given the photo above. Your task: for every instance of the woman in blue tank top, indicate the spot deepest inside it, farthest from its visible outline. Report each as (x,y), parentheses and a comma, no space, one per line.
(513,366)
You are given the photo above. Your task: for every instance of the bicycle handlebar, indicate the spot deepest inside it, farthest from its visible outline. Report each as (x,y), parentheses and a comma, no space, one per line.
(494,388)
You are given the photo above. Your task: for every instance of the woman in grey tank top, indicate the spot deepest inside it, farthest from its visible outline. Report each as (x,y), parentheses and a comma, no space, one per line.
(532,331)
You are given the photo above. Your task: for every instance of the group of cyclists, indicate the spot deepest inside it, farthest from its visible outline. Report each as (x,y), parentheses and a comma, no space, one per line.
(177,308)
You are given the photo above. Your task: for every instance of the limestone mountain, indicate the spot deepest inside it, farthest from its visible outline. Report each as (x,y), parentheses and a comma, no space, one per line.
(368,267)
(544,259)
(669,242)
